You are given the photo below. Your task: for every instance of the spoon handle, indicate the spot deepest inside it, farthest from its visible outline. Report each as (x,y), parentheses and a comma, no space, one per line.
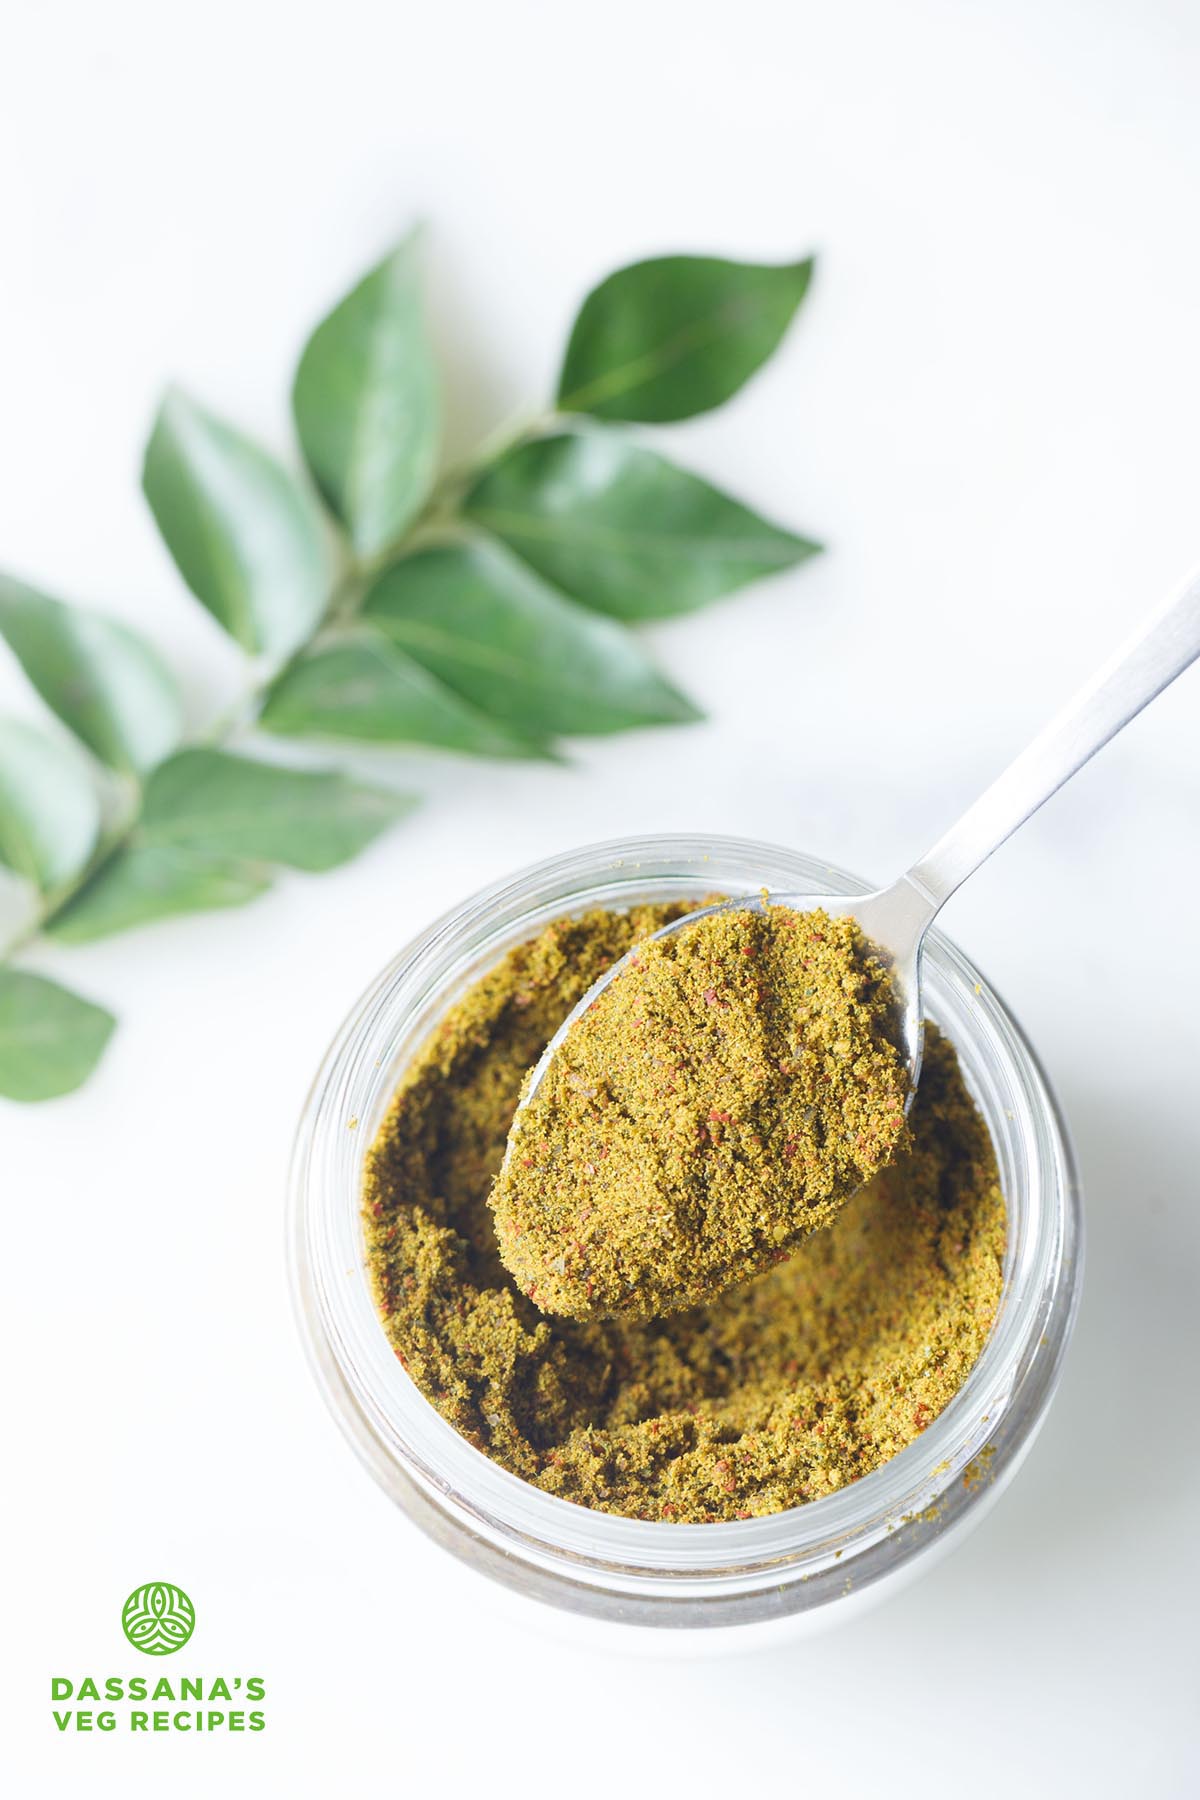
(1143,666)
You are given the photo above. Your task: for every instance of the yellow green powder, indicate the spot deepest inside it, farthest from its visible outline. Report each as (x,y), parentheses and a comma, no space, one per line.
(718,1101)
(781,1390)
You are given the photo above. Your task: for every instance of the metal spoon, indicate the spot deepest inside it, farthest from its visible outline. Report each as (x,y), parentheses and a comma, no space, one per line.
(896,918)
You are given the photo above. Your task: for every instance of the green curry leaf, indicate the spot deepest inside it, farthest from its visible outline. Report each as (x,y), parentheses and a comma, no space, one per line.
(50,1038)
(676,335)
(102,680)
(366,404)
(49,807)
(313,819)
(622,529)
(247,537)
(144,882)
(210,826)
(363,688)
(498,635)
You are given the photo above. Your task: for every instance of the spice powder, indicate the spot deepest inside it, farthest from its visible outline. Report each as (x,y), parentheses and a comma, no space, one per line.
(719,1100)
(779,1391)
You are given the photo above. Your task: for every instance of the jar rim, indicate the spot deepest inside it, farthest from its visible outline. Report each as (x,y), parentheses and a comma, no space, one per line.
(804,1554)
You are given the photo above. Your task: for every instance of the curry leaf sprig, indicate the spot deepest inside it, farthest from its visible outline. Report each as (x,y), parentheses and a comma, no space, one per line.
(379,599)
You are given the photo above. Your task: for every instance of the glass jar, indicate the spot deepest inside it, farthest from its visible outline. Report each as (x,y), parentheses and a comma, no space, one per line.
(801,1567)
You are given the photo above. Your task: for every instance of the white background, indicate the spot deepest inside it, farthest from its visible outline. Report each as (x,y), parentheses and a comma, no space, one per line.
(988,410)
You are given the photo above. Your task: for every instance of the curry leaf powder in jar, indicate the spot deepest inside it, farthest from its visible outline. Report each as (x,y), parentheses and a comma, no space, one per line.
(719,1100)
(779,1391)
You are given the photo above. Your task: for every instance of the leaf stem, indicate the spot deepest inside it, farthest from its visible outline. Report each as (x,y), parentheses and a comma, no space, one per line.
(452,485)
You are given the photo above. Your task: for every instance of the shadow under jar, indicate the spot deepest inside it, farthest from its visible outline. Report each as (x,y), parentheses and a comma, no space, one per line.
(796,1569)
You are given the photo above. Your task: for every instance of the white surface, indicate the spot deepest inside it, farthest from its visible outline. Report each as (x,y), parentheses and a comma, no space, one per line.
(989,412)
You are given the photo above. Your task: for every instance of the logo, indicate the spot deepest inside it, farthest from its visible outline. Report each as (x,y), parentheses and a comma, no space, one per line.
(158,1619)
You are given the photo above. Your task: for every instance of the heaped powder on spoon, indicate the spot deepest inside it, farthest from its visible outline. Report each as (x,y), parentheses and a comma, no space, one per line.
(721,1099)
(780,1391)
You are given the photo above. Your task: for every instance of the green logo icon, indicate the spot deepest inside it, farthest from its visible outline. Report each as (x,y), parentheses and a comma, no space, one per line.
(158,1618)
